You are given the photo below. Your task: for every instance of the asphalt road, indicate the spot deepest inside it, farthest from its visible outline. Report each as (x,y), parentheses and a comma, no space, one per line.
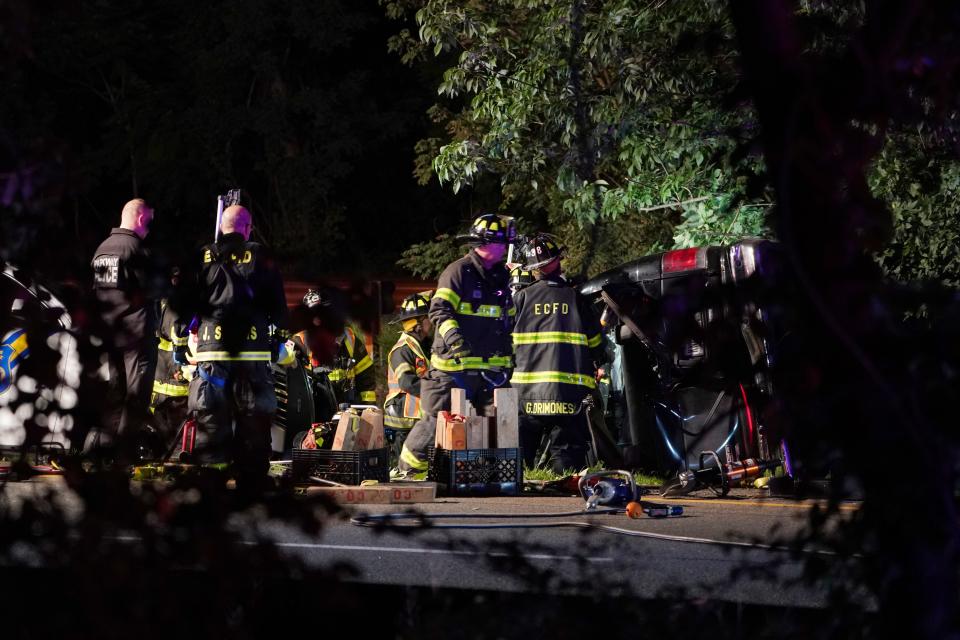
(691,555)
(710,552)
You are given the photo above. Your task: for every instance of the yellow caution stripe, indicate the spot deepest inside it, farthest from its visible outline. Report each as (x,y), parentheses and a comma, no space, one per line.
(534,377)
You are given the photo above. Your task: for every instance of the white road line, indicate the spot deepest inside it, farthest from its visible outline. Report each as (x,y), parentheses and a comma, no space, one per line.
(349,547)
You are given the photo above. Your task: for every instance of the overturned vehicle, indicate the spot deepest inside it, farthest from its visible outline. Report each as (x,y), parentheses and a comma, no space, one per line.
(696,337)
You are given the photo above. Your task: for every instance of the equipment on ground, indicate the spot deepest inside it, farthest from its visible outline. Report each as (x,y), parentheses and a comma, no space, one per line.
(720,476)
(617,488)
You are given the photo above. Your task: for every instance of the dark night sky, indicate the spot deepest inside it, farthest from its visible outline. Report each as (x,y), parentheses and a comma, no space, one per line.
(370,111)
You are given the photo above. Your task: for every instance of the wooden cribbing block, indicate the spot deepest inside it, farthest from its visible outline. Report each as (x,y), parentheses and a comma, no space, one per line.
(451,431)
(459,403)
(508,431)
(477,432)
(392,493)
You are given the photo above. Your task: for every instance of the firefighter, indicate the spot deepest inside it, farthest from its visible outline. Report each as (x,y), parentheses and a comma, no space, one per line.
(122,280)
(406,367)
(472,312)
(318,345)
(557,346)
(240,295)
(353,377)
(171,381)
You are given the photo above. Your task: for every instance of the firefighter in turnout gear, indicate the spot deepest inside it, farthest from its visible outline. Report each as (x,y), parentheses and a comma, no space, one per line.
(406,367)
(472,312)
(171,383)
(318,344)
(557,345)
(353,377)
(239,296)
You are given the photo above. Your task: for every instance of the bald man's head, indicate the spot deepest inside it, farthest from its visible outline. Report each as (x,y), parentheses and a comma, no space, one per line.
(137,216)
(236,219)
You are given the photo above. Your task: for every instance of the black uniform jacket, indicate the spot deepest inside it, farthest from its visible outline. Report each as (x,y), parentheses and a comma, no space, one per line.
(121,273)
(240,296)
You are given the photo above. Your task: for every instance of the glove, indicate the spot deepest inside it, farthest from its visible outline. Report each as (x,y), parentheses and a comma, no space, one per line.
(459,348)
(180,357)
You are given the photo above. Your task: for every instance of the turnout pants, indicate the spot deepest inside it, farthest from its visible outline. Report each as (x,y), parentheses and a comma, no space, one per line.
(234,404)
(568,442)
(434,398)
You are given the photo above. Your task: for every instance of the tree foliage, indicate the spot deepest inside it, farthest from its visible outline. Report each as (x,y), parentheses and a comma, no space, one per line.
(607,116)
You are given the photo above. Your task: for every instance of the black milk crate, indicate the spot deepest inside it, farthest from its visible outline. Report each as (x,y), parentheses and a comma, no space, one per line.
(345,467)
(476,472)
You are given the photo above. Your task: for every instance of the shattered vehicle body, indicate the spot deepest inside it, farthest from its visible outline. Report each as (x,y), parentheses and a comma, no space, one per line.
(696,335)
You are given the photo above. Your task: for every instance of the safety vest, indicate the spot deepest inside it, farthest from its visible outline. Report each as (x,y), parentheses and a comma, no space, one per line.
(556,340)
(411,403)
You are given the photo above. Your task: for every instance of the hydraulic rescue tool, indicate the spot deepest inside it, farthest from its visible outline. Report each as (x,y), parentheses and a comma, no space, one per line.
(719,477)
(618,489)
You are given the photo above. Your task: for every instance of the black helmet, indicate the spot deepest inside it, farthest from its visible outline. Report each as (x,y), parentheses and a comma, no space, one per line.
(540,250)
(491,228)
(519,278)
(416,305)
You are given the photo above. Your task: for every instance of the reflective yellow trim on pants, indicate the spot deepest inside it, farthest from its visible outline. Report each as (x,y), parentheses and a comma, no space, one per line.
(449,295)
(469,363)
(533,377)
(410,458)
(447,326)
(240,356)
(173,390)
(549,337)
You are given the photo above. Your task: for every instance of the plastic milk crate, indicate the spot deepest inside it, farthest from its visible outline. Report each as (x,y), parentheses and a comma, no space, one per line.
(345,467)
(476,472)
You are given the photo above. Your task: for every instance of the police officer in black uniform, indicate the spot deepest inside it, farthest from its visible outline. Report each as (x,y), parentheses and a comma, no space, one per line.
(241,300)
(557,347)
(122,280)
(472,312)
